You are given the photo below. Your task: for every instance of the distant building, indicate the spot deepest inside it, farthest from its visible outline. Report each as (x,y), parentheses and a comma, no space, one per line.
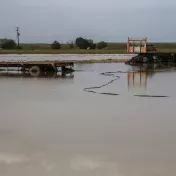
(137,45)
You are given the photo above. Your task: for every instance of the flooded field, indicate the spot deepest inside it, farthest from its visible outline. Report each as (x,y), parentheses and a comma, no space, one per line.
(119,123)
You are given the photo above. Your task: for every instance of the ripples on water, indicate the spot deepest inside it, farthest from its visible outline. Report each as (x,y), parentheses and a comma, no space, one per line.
(50,126)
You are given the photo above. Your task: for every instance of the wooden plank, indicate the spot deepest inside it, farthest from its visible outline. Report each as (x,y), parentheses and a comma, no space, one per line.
(137,39)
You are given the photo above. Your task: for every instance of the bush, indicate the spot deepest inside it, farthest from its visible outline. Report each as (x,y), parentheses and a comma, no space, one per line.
(55,45)
(70,44)
(85,43)
(82,43)
(19,47)
(102,45)
(93,46)
(8,44)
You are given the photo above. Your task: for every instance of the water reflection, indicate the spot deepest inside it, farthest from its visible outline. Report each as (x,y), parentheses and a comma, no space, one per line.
(138,76)
(150,68)
(54,75)
(137,80)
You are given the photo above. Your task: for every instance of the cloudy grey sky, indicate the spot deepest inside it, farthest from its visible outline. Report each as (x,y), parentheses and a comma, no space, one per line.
(109,20)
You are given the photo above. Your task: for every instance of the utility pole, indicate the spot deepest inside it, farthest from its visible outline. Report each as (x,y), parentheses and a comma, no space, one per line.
(18,35)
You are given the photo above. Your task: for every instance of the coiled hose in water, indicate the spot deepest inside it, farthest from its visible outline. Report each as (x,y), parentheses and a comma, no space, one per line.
(112,74)
(91,89)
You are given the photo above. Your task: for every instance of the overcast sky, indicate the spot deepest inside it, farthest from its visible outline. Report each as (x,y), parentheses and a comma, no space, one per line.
(109,20)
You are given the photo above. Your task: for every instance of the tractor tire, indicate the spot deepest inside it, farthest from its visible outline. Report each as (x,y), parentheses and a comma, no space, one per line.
(35,71)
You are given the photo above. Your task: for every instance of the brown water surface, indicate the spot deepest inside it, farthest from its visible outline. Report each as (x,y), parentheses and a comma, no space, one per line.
(50,126)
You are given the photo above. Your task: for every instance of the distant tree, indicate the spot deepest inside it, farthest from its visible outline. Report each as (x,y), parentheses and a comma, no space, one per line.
(19,47)
(0,43)
(85,43)
(55,45)
(82,43)
(102,45)
(71,44)
(8,44)
(2,40)
(90,41)
(92,45)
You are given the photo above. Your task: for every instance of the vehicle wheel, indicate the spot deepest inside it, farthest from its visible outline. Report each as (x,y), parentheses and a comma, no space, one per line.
(145,59)
(35,71)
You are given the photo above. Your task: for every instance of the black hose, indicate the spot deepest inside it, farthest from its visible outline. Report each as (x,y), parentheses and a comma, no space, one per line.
(112,74)
(90,89)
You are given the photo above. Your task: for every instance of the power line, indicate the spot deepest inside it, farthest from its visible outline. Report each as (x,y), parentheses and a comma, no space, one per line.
(18,35)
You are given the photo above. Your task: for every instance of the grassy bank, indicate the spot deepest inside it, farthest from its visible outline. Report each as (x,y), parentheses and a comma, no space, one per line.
(113,48)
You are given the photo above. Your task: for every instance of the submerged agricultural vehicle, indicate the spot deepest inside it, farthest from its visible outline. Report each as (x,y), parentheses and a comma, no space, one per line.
(147,53)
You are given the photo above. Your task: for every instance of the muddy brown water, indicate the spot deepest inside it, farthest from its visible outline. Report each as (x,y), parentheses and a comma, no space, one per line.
(50,126)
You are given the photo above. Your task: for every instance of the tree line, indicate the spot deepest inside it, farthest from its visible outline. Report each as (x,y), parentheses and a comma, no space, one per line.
(81,43)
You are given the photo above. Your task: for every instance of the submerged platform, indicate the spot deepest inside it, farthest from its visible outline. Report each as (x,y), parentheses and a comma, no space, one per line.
(32,63)
(38,65)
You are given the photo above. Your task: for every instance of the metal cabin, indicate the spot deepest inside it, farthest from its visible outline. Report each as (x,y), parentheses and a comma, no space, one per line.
(137,45)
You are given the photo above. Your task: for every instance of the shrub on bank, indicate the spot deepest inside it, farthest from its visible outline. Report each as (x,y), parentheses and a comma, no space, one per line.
(8,44)
(85,43)
(55,45)
(82,43)
(102,45)
(70,44)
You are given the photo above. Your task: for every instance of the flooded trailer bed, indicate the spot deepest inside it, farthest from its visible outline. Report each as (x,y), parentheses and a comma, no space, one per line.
(37,65)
